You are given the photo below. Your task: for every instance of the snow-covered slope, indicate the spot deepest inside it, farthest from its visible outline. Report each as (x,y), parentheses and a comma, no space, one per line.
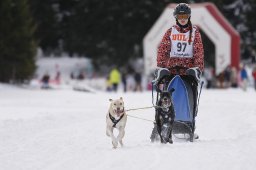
(65,130)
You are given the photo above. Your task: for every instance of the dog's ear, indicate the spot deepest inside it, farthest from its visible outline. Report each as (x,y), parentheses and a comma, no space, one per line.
(121,98)
(110,100)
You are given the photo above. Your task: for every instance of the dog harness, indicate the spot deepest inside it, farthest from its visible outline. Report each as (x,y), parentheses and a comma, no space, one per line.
(114,120)
(166,115)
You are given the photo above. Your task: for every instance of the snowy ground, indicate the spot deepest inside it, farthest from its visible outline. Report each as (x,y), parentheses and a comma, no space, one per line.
(65,130)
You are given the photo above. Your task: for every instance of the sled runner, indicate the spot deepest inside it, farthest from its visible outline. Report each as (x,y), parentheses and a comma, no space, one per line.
(185,99)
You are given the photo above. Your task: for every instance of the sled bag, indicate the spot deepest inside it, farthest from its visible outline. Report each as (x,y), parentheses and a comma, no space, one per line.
(181,99)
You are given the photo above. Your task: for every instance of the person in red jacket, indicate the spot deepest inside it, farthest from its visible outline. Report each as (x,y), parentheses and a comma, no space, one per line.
(181,46)
(181,53)
(181,50)
(254,77)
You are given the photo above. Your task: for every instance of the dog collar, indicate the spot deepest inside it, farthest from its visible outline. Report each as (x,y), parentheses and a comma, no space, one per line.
(114,120)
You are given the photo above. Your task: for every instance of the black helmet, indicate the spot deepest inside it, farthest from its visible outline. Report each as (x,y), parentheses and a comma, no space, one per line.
(182,8)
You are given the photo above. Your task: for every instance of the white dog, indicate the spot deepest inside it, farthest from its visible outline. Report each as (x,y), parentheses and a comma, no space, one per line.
(116,118)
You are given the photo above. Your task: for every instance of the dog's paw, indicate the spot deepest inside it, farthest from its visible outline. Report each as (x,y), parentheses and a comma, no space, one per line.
(170,141)
(107,133)
(121,143)
(114,143)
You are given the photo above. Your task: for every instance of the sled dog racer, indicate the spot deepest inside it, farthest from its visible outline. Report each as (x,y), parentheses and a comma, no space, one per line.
(181,45)
(181,52)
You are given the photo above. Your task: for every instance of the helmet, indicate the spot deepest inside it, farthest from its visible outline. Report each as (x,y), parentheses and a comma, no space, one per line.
(182,8)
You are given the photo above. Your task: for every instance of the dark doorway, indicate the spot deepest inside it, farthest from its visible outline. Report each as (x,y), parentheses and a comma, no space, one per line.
(209,50)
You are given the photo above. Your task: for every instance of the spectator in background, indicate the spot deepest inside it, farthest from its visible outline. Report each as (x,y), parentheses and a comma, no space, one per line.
(114,79)
(72,75)
(81,75)
(150,79)
(233,77)
(45,81)
(124,81)
(221,79)
(138,79)
(208,74)
(57,77)
(227,76)
(253,55)
(244,77)
(108,84)
(130,82)
(254,76)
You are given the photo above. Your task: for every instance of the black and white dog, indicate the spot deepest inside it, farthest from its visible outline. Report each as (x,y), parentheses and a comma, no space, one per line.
(164,117)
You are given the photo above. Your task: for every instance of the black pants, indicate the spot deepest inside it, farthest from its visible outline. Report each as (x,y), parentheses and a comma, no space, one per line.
(114,87)
(192,89)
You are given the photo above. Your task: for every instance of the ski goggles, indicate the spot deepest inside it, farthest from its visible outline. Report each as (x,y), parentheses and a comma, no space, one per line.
(182,16)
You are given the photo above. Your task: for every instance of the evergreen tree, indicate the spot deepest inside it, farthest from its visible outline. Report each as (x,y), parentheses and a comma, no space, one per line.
(47,18)
(17,44)
(109,31)
(112,30)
